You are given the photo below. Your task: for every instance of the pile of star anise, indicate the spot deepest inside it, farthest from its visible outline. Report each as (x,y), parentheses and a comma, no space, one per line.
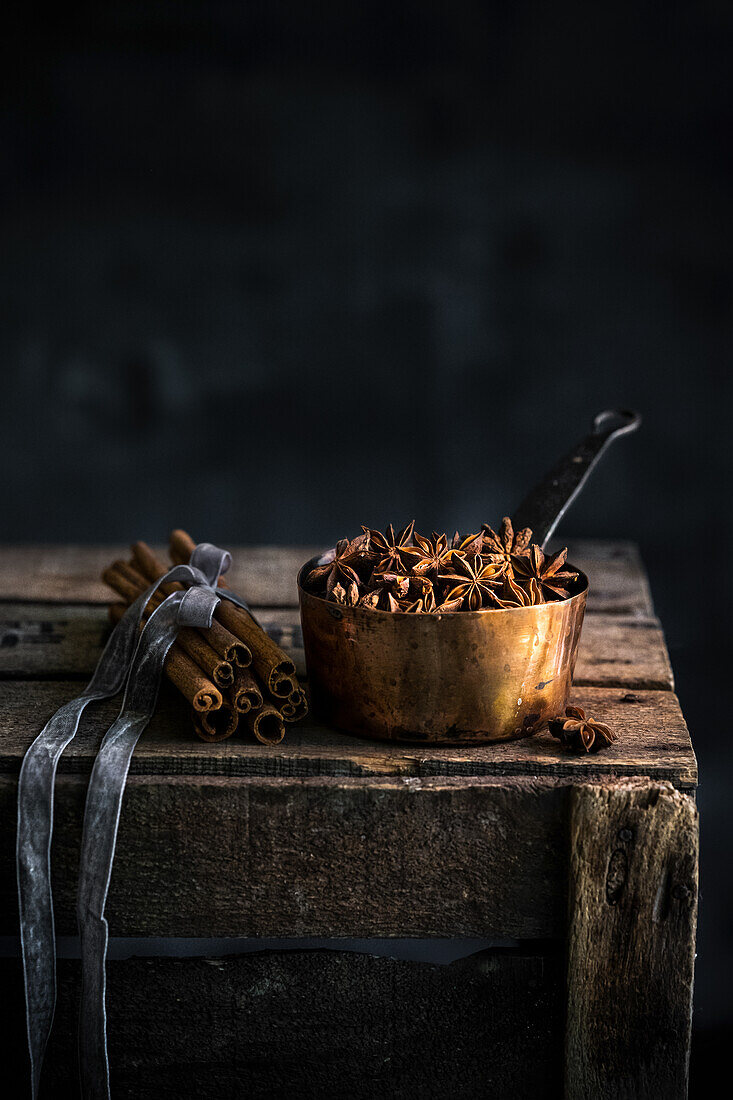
(407,572)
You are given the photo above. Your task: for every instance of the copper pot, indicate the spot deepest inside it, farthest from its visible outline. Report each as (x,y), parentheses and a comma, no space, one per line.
(460,678)
(465,677)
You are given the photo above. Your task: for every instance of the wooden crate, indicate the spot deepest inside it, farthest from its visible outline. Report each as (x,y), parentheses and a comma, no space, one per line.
(583,869)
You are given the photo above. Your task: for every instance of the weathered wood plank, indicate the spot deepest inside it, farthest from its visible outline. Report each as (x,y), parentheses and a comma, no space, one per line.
(317,857)
(653,741)
(314,1025)
(59,641)
(631,949)
(265,575)
(618,580)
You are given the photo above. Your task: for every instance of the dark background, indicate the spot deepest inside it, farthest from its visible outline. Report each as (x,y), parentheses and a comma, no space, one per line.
(272,270)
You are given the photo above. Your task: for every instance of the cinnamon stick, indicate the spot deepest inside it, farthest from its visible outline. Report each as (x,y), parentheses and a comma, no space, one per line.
(126,580)
(216,725)
(185,674)
(266,724)
(247,692)
(295,707)
(271,663)
(226,644)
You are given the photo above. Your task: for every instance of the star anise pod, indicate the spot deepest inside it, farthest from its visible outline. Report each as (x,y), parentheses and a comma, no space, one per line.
(347,594)
(379,599)
(511,594)
(390,551)
(500,547)
(386,591)
(449,605)
(436,554)
(337,567)
(468,545)
(422,589)
(412,607)
(396,583)
(473,582)
(541,577)
(582,734)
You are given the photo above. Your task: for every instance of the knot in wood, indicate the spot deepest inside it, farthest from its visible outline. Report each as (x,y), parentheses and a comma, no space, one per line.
(616,875)
(682,893)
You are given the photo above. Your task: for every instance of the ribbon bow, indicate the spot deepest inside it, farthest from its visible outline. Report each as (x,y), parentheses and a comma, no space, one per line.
(132,659)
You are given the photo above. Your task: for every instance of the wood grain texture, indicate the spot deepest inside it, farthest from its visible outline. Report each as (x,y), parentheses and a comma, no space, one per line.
(631,947)
(312,1024)
(653,741)
(265,575)
(327,857)
(46,641)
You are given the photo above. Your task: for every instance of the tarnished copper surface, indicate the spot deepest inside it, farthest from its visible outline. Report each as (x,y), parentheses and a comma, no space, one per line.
(470,676)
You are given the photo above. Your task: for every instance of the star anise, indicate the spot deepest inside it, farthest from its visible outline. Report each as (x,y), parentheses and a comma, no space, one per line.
(580,733)
(396,583)
(390,552)
(413,607)
(379,599)
(500,547)
(436,555)
(386,591)
(512,594)
(337,568)
(473,582)
(422,589)
(345,594)
(468,545)
(542,578)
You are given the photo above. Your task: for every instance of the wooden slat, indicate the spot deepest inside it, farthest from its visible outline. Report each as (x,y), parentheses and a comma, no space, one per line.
(314,1025)
(201,856)
(618,580)
(653,740)
(631,949)
(56,641)
(265,575)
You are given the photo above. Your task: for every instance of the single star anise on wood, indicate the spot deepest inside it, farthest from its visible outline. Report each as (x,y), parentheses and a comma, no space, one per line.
(576,731)
(472,582)
(500,547)
(436,555)
(390,552)
(337,568)
(541,577)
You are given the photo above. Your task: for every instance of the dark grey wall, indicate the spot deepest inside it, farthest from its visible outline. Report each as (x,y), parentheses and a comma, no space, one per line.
(270,271)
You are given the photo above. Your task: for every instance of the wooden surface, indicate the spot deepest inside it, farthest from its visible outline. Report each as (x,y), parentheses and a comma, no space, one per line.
(653,741)
(321,1025)
(334,836)
(324,857)
(633,905)
(623,675)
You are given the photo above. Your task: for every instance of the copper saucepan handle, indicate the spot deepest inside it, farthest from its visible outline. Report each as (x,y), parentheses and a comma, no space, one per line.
(548,502)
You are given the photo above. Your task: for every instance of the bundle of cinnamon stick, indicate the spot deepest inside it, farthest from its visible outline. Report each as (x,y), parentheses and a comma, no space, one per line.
(230,673)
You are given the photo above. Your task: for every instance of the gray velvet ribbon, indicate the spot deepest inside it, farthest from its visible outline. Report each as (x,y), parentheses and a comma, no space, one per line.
(133,660)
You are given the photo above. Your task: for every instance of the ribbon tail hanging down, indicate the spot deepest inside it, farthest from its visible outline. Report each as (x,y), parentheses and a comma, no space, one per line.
(195,608)
(35,806)
(35,828)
